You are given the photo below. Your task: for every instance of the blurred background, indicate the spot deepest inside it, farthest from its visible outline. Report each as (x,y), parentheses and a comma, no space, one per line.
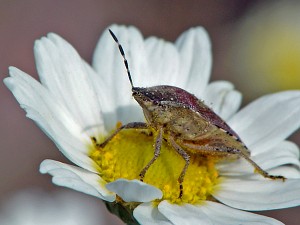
(256,46)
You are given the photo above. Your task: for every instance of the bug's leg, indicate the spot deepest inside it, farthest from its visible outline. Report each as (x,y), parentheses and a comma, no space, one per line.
(133,125)
(258,168)
(186,157)
(158,141)
(233,151)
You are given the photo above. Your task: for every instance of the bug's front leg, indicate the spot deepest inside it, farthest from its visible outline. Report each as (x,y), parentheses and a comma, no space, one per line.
(133,125)
(186,158)
(157,147)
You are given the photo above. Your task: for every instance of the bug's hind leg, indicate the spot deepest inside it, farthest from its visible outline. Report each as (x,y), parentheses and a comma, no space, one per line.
(219,150)
(186,157)
(259,169)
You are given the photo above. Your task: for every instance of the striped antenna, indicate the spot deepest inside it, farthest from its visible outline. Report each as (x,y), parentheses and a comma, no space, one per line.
(123,55)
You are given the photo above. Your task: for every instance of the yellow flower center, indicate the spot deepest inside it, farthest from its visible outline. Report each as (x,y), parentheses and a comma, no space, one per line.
(131,150)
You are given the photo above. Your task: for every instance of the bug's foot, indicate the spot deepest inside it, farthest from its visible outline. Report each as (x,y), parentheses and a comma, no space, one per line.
(267,175)
(277,177)
(95,142)
(181,191)
(141,177)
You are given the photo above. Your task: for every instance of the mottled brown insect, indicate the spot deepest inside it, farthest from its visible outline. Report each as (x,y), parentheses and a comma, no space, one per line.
(186,123)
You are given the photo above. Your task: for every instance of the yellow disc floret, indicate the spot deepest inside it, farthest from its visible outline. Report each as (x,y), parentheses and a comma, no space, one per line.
(128,153)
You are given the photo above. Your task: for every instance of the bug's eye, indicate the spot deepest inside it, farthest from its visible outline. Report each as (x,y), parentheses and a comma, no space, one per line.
(134,93)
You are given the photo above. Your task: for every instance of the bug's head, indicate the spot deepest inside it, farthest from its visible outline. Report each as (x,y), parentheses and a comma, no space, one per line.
(142,95)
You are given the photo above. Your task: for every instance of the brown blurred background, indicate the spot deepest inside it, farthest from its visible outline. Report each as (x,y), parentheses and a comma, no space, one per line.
(24,146)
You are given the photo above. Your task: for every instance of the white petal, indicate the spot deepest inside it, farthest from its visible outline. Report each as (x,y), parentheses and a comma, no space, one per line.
(185,214)
(239,167)
(77,179)
(221,214)
(61,70)
(222,98)
(247,172)
(148,214)
(162,62)
(258,195)
(287,171)
(51,116)
(195,59)
(134,190)
(108,62)
(285,153)
(269,120)
(104,95)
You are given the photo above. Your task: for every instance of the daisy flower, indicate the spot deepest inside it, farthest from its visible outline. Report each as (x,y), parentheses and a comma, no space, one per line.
(79,106)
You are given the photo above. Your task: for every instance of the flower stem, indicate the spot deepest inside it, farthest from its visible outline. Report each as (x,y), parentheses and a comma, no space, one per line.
(121,211)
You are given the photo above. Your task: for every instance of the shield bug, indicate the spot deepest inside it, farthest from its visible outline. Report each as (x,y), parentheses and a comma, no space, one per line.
(186,123)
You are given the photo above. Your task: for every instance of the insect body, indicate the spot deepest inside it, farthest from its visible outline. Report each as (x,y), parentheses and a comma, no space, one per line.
(186,123)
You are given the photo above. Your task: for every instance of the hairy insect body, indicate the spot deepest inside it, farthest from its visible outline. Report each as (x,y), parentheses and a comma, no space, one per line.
(176,121)
(179,114)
